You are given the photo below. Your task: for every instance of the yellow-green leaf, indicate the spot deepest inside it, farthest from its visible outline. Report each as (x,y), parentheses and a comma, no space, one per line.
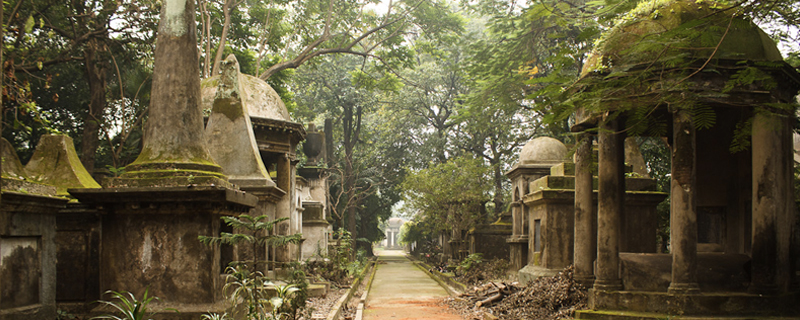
(29,24)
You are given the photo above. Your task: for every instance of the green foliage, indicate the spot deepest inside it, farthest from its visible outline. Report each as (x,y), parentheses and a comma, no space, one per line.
(469,262)
(255,292)
(128,306)
(450,195)
(295,300)
(214,316)
(258,231)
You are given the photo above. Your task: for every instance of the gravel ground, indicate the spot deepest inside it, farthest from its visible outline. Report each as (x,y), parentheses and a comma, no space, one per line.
(349,309)
(319,307)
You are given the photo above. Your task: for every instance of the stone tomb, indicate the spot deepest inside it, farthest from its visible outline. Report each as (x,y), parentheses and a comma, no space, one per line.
(27,242)
(276,138)
(393,233)
(552,227)
(174,192)
(239,157)
(535,160)
(731,215)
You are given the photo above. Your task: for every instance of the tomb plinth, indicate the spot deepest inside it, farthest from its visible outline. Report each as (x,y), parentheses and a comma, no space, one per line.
(315,230)
(27,242)
(490,240)
(150,241)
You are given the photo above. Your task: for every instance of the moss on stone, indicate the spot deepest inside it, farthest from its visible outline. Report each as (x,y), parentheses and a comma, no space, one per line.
(622,46)
(55,162)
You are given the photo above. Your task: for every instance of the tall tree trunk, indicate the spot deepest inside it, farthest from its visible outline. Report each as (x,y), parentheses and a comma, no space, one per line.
(351,122)
(349,178)
(96,77)
(498,188)
(226,26)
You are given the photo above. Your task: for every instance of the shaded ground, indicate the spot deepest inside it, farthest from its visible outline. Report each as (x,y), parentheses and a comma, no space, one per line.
(400,290)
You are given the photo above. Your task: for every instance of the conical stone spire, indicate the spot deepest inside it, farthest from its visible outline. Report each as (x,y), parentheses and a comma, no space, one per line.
(174,151)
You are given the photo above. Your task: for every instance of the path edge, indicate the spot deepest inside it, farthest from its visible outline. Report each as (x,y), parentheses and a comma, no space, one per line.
(336,310)
(453,287)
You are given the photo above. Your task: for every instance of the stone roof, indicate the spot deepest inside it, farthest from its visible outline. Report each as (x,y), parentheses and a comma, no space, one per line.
(262,101)
(396,222)
(742,40)
(543,150)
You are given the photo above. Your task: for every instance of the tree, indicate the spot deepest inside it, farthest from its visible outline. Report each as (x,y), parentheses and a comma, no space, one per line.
(340,89)
(48,34)
(255,231)
(449,197)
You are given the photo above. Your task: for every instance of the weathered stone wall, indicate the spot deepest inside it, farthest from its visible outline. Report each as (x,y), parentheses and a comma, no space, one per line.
(161,252)
(28,256)
(490,240)
(78,237)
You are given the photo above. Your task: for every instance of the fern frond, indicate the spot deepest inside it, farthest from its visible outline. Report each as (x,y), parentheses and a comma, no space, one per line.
(703,116)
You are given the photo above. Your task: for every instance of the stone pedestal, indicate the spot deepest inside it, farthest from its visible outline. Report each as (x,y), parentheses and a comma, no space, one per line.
(518,251)
(150,241)
(78,235)
(28,255)
(552,216)
(315,230)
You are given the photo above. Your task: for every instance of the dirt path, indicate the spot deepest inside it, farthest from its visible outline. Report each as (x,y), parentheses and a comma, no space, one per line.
(400,290)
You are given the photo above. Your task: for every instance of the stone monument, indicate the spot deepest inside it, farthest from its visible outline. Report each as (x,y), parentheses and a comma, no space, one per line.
(731,215)
(173,192)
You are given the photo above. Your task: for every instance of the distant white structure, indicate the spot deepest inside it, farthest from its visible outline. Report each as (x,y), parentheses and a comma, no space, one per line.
(392,240)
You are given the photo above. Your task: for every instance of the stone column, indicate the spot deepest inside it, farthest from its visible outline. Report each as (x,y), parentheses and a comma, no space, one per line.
(284,206)
(611,188)
(683,211)
(769,201)
(585,216)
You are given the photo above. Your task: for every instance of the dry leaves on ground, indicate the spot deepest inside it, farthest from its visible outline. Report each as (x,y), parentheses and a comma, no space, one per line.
(545,298)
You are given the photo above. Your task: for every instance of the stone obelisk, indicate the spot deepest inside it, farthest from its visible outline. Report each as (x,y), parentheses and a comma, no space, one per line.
(174,151)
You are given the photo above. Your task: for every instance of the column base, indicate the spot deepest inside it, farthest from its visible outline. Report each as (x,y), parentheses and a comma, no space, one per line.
(684,288)
(586,280)
(607,285)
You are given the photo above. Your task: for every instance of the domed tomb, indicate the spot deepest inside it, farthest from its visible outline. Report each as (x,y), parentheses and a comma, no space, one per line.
(262,101)
(543,150)
(714,86)
(677,52)
(694,29)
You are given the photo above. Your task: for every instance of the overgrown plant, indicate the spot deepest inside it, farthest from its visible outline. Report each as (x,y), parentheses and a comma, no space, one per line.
(128,306)
(256,231)
(297,279)
(470,261)
(254,291)
(283,302)
(339,266)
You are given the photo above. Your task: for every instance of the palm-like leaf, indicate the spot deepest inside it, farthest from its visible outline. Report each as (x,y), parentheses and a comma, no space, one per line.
(127,305)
